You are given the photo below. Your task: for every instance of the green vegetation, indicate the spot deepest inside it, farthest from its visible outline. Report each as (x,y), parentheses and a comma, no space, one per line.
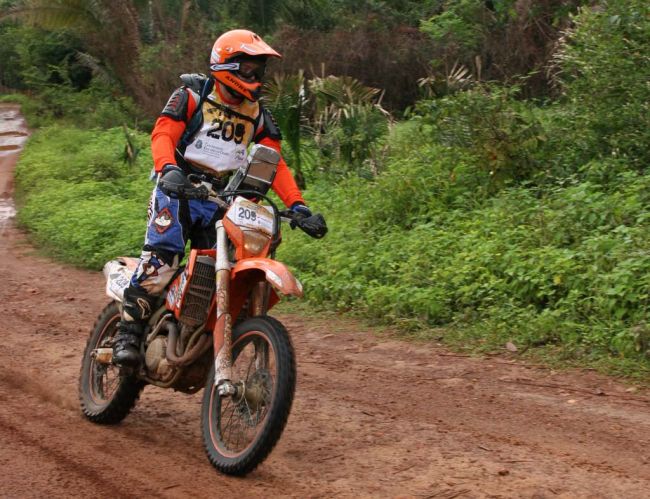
(504,220)
(79,196)
(510,204)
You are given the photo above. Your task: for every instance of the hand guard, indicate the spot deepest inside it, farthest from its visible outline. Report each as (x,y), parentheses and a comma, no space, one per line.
(313,226)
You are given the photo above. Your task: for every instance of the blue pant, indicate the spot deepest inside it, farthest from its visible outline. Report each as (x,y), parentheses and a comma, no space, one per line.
(172,222)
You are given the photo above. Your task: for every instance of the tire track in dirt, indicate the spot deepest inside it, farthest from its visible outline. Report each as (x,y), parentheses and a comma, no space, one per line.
(85,478)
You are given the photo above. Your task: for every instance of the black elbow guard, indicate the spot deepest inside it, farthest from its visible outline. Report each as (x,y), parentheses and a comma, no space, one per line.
(176,107)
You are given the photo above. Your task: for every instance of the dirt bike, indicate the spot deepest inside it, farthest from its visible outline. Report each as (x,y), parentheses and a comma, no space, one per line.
(212,329)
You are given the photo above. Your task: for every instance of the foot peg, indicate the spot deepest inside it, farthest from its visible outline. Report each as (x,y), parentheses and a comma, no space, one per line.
(103,355)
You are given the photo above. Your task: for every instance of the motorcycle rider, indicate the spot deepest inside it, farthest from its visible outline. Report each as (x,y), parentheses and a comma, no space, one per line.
(205,127)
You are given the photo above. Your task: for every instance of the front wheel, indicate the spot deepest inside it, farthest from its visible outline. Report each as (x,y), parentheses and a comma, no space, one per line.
(240,431)
(106,396)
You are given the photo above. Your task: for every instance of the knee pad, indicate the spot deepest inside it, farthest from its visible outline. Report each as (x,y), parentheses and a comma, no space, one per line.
(137,305)
(154,272)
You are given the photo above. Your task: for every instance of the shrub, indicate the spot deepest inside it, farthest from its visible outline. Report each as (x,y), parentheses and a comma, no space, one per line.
(602,68)
(502,132)
(79,198)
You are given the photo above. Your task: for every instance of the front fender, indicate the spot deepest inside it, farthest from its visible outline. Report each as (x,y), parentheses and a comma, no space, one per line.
(277,274)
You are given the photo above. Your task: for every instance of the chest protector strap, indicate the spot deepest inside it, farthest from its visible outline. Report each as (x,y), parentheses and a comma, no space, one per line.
(202,85)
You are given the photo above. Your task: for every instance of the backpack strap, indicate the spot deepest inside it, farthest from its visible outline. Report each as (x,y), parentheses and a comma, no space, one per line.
(203,86)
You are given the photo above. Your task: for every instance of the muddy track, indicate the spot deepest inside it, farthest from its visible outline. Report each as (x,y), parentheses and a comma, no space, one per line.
(373,416)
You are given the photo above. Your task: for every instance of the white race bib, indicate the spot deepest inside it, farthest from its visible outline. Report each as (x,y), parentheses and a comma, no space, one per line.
(221,143)
(209,150)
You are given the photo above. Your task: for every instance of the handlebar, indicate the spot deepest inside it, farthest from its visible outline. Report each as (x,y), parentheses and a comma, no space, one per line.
(197,187)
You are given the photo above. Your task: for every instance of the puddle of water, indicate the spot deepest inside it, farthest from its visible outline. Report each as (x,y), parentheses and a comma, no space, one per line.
(8,113)
(13,133)
(7,211)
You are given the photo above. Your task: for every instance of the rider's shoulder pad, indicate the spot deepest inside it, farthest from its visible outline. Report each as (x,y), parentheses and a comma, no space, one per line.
(176,107)
(194,81)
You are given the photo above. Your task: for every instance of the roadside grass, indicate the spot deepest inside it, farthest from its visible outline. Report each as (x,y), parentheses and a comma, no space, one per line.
(566,273)
(81,201)
(483,341)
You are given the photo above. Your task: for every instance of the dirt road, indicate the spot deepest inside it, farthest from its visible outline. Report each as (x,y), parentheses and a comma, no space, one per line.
(373,417)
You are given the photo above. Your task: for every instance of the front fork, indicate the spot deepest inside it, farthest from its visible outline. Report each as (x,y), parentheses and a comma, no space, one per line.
(222,333)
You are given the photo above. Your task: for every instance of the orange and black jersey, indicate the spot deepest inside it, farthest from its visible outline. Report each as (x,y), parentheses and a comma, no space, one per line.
(237,124)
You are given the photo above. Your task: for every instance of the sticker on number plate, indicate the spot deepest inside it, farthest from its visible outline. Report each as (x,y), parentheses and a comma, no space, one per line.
(245,213)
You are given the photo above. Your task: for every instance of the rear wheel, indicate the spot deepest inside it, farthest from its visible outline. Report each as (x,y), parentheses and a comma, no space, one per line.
(106,396)
(240,431)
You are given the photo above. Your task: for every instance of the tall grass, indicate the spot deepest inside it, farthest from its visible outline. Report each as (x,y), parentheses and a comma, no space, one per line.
(78,196)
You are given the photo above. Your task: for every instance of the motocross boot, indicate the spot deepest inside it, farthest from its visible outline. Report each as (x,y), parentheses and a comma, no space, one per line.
(136,309)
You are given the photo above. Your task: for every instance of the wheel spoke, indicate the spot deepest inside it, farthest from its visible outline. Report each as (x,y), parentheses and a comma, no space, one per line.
(261,360)
(230,423)
(240,420)
(250,364)
(104,379)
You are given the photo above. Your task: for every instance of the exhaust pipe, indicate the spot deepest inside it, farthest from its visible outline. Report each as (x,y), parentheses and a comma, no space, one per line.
(191,355)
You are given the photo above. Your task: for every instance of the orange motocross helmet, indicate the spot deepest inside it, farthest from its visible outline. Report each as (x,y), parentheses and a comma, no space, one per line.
(238,61)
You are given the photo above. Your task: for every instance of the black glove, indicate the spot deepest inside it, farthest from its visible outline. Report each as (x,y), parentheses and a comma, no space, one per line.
(298,211)
(313,226)
(175,184)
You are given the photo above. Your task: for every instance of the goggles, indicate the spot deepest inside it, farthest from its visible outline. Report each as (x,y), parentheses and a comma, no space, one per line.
(249,70)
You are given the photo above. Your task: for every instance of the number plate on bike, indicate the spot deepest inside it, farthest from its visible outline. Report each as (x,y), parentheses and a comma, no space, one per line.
(245,213)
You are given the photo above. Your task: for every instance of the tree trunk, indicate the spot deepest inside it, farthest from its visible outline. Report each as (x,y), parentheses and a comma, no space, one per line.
(120,44)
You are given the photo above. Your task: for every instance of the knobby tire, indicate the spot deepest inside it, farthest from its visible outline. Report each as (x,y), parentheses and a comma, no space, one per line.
(115,409)
(276,416)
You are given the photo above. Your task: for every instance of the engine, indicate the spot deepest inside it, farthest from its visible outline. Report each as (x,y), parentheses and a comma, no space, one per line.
(156,360)
(186,378)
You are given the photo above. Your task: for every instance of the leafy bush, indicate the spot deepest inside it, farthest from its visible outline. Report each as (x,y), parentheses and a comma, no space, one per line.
(603,69)
(79,198)
(58,75)
(460,25)
(90,108)
(489,121)
(340,115)
(500,41)
(33,58)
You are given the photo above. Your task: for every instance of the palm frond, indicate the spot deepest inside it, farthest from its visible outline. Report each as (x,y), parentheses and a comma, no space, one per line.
(92,63)
(459,77)
(343,90)
(286,96)
(80,15)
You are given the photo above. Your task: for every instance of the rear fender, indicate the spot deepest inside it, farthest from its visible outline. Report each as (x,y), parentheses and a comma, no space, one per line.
(118,274)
